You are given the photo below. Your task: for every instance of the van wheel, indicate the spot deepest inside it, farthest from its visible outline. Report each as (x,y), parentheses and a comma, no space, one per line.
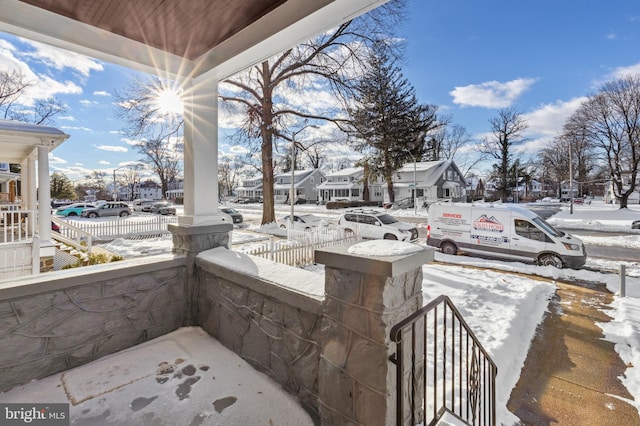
(348,232)
(390,237)
(550,260)
(449,248)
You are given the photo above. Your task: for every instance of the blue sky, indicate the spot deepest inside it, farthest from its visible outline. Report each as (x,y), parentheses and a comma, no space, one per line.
(467,57)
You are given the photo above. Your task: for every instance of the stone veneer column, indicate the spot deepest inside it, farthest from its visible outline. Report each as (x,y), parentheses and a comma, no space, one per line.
(189,241)
(364,297)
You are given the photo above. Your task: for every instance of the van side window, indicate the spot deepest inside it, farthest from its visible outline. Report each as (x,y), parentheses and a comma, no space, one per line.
(528,230)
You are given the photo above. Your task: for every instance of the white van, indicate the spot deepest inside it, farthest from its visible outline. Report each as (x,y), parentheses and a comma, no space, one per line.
(501,231)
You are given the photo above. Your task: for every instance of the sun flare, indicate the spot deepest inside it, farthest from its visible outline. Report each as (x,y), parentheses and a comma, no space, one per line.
(169,102)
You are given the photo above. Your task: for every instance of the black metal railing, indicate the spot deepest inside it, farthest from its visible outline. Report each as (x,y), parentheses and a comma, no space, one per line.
(442,367)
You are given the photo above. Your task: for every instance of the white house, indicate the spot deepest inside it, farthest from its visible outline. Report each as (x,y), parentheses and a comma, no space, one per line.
(305,184)
(434,180)
(251,188)
(25,217)
(347,184)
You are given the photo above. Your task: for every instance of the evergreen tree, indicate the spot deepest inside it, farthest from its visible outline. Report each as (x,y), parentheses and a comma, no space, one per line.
(61,187)
(388,122)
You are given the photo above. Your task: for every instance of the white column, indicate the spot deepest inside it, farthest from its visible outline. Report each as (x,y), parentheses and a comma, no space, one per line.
(44,197)
(201,154)
(30,183)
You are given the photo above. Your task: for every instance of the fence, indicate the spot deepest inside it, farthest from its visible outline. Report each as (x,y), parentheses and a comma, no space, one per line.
(442,368)
(147,225)
(299,247)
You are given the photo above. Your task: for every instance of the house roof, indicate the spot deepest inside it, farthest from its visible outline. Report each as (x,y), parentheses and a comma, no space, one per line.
(19,140)
(348,171)
(430,171)
(175,37)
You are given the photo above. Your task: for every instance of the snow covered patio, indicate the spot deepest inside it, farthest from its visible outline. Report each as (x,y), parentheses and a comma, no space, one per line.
(182,378)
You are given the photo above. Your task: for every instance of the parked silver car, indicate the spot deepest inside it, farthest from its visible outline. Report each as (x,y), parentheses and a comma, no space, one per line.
(163,207)
(108,209)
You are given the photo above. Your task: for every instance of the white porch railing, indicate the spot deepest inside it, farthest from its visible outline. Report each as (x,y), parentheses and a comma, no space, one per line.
(17,226)
(125,227)
(299,248)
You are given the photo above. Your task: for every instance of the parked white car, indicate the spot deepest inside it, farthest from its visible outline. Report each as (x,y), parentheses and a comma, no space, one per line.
(303,222)
(374,224)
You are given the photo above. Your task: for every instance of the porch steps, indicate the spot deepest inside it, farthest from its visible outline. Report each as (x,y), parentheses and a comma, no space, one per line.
(67,255)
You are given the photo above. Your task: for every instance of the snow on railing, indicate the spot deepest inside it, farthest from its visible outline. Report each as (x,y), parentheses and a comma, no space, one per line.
(125,227)
(299,247)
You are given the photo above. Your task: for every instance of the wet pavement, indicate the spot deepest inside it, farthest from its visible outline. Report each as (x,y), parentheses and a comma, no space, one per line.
(571,375)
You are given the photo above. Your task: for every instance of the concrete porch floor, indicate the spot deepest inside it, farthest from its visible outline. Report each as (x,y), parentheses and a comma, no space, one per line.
(182,378)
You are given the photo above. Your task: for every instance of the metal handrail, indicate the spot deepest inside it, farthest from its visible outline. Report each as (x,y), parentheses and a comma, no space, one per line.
(442,367)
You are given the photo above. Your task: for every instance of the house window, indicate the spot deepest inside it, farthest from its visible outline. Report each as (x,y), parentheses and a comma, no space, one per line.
(355,192)
(377,192)
(447,193)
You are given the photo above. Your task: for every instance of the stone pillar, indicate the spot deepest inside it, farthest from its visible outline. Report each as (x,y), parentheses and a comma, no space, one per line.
(365,296)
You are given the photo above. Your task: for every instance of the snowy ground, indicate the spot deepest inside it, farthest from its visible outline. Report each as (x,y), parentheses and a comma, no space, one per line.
(503,308)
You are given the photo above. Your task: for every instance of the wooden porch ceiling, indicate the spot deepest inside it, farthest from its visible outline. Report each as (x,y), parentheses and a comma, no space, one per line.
(188,28)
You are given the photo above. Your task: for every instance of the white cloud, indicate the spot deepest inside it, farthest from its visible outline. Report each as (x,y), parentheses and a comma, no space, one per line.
(104,163)
(101,93)
(132,142)
(625,71)
(237,149)
(61,59)
(87,102)
(43,86)
(548,119)
(611,36)
(56,160)
(112,148)
(84,129)
(67,118)
(115,132)
(491,94)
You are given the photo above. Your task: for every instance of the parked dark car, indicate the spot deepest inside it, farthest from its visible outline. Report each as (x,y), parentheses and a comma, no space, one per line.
(635,224)
(55,227)
(232,213)
(162,207)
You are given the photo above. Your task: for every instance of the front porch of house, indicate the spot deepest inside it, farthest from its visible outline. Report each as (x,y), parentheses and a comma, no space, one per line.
(302,329)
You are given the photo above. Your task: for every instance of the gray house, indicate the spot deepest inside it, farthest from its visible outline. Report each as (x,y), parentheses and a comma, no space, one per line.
(251,188)
(305,183)
(433,180)
(346,185)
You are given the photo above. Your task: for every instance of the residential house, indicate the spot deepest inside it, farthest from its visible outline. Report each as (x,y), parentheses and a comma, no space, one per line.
(305,184)
(433,180)
(475,188)
(536,189)
(25,217)
(250,188)
(567,187)
(150,190)
(347,185)
(175,189)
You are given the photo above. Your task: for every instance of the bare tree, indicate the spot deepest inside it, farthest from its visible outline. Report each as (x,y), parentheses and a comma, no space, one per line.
(12,91)
(506,133)
(158,130)
(610,120)
(330,60)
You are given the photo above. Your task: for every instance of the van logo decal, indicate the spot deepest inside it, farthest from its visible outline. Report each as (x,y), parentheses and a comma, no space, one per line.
(485,223)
